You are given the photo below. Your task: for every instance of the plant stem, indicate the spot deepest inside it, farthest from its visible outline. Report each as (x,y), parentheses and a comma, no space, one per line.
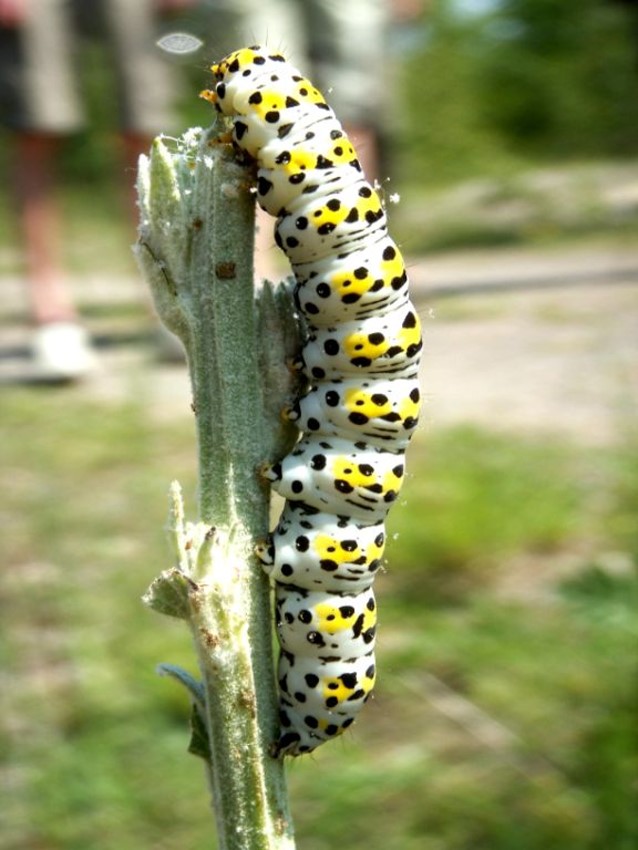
(195,249)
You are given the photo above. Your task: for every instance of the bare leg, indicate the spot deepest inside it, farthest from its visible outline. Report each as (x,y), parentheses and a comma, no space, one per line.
(364,140)
(60,346)
(49,299)
(269,262)
(133,144)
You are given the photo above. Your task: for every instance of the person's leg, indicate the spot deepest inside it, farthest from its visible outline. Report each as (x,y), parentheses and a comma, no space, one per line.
(44,109)
(146,86)
(60,346)
(366,143)
(38,213)
(132,146)
(277,24)
(146,89)
(348,51)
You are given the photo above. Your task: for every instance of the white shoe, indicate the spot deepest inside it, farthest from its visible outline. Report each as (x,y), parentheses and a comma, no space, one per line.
(62,351)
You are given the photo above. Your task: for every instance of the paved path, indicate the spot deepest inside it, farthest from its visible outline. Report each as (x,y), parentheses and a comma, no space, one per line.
(533,342)
(520,340)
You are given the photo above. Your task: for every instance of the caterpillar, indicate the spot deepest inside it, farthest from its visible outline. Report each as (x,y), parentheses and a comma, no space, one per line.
(360,359)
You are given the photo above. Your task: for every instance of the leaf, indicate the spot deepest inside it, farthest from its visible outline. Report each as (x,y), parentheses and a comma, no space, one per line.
(199,745)
(192,685)
(168,594)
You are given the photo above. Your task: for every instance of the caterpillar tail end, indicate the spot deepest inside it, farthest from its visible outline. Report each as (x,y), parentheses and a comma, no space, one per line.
(289,744)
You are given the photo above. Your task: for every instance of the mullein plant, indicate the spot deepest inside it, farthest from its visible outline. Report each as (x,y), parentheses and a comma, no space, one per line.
(195,250)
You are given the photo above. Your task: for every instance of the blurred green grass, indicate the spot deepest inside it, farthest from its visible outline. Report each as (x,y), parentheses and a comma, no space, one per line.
(505,712)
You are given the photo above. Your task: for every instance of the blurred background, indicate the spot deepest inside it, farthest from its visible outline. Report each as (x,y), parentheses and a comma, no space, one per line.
(505,715)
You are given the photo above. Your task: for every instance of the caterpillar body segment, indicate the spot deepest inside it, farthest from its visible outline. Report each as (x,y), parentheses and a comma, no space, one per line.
(361,407)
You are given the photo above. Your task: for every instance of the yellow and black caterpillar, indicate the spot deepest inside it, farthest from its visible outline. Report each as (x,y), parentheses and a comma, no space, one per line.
(361,360)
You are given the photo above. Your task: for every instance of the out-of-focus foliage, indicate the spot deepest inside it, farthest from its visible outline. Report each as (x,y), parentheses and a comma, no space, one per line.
(527,80)
(562,77)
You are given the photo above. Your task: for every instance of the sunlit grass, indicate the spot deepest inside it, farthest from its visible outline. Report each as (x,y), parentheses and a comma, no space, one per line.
(504,712)
(475,499)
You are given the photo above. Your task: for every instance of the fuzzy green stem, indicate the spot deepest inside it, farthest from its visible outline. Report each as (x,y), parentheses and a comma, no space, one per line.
(195,249)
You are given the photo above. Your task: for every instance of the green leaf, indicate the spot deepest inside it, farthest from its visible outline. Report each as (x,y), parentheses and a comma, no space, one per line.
(199,745)
(192,685)
(168,594)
